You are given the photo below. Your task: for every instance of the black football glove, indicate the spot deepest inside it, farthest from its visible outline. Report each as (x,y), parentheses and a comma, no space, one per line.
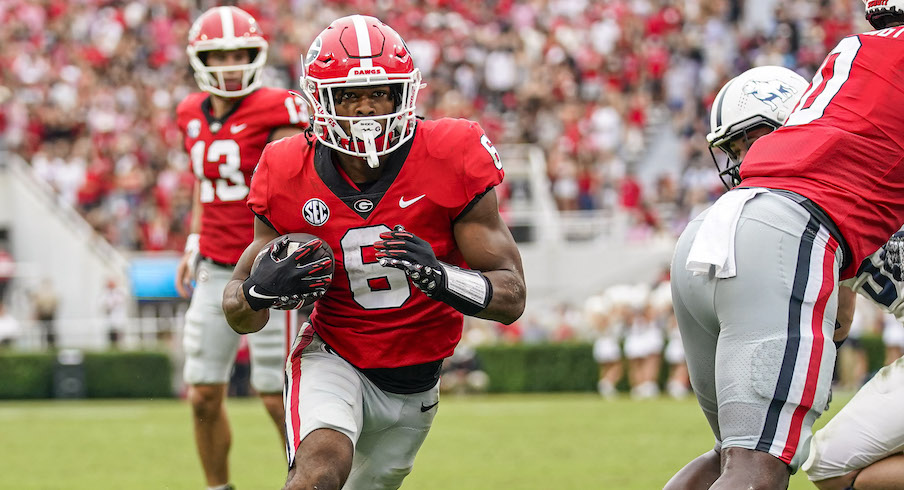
(468,291)
(892,256)
(290,282)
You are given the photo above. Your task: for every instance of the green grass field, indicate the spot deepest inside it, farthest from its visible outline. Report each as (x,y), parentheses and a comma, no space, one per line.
(575,441)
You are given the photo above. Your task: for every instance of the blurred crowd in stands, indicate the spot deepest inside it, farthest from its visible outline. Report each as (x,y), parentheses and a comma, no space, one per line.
(89,89)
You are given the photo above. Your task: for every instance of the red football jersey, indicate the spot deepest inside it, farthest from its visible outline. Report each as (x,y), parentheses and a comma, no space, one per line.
(223,154)
(372,315)
(842,145)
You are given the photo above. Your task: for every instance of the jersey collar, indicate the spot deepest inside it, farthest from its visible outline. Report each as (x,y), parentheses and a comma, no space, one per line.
(341,188)
(213,122)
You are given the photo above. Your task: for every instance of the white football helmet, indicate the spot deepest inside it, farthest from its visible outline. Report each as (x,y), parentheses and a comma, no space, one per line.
(881,13)
(761,96)
(226,29)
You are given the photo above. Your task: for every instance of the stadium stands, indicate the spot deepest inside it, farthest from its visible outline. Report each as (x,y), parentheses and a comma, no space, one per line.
(89,89)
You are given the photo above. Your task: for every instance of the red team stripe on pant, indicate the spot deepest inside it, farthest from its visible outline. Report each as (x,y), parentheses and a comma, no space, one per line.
(800,369)
(813,367)
(292,399)
(293,404)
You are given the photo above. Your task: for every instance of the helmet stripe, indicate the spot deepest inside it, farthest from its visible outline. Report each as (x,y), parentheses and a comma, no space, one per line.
(364,48)
(719,105)
(228,24)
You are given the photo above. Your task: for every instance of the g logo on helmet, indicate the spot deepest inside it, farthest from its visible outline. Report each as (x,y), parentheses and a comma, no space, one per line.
(313,51)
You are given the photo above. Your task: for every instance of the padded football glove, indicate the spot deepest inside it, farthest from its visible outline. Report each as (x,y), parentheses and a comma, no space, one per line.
(466,290)
(892,255)
(880,275)
(287,283)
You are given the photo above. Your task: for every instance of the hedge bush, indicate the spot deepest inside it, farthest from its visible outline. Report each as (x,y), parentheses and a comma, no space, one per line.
(26,376)
(106,375)
(875,352)
(511,368)
(539,367)
(132,375)
(570,367)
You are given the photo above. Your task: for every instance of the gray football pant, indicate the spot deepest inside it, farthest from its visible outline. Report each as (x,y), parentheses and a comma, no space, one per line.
(759,345)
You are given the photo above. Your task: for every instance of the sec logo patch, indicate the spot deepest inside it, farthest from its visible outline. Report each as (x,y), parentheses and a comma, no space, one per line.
(193,129)
(315,212)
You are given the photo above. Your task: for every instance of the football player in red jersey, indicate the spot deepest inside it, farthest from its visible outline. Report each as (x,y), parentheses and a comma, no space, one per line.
(756,277)
(225,129)
(862,447)
(408,206)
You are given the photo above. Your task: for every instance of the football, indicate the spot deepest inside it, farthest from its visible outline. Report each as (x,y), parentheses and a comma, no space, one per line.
(296,240)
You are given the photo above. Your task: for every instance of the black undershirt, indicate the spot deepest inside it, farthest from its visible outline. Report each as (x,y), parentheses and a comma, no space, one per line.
(403,380)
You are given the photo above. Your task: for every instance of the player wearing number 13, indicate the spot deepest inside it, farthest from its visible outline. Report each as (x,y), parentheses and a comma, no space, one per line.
(755,278)
(409,209)
(225,129)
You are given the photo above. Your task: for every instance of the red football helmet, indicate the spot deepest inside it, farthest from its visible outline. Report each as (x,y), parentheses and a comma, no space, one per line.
(881,13)
(226,28)
(360,51)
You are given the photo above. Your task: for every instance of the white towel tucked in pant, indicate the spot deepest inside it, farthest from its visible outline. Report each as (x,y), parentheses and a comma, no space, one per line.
(714,244)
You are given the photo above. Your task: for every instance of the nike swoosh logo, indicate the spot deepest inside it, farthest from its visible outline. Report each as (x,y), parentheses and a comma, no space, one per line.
(237,128)
(425,408)
(253,292)
(404,204)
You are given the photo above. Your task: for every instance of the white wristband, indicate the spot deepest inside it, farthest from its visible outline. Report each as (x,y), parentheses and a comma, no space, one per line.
(193,242)
(467,284)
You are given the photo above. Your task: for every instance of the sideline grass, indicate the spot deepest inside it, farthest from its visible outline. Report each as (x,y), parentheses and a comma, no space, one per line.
(574,441)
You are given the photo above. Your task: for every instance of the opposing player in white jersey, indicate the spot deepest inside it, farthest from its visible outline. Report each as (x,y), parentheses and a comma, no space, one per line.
(225,129)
